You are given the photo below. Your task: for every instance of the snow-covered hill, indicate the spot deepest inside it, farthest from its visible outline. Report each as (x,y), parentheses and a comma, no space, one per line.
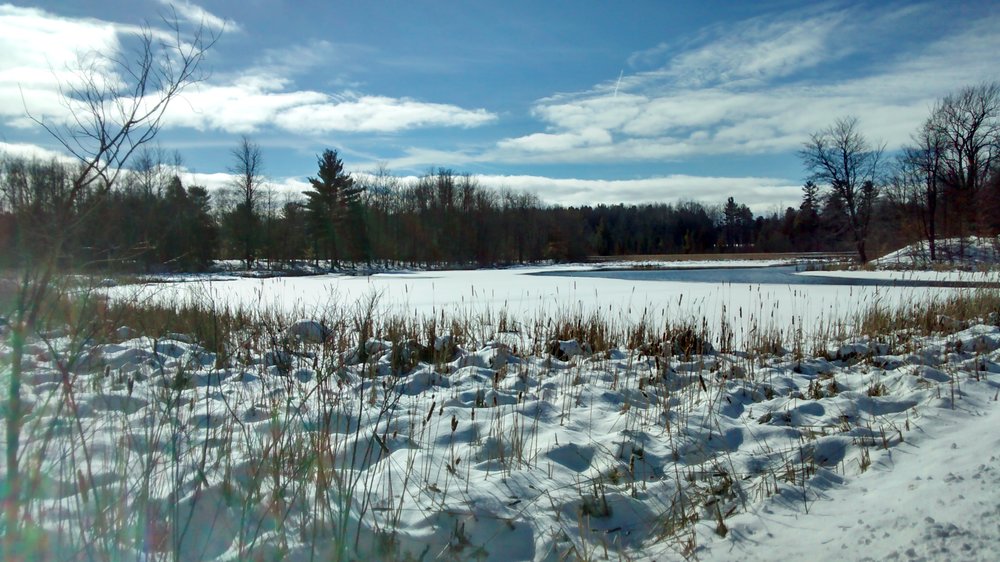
(958,253)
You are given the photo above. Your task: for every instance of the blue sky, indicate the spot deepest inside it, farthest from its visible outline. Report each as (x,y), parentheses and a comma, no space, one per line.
(578,101)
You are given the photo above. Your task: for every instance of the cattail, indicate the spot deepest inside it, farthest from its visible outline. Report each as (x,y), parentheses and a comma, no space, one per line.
(82,484)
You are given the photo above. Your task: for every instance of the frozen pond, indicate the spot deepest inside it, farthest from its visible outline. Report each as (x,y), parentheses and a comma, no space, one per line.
(528,295)
(775,275)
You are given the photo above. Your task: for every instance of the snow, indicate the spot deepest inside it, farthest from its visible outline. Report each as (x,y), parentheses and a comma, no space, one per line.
(965,277)
(309,331)
(747,310)
(970,261)
(932,497)
(957,253)
(499,447)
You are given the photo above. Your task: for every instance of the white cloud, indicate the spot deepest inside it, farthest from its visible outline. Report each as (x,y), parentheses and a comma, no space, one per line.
(40,55)
(258,100)
(197,15)
(760,194)
(604,111)
(417,158)
(558,142)
(760,48)
(220,181)
(42,51)
(759,86)
(365,113)
(32,151)
(240,107)
(264,95)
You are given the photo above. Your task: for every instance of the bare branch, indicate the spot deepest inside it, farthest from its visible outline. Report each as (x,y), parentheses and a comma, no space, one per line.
(842,158)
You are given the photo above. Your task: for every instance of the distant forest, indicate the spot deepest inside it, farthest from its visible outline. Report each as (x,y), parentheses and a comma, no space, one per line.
(945,183)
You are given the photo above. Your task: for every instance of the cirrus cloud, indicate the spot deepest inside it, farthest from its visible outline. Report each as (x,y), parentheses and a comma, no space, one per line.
(197,15)
(760,86)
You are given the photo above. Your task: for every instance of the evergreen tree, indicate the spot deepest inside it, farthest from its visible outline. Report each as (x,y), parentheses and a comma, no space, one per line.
(332,197)
(204,233)
(731,223)
(174,240)
(806,227)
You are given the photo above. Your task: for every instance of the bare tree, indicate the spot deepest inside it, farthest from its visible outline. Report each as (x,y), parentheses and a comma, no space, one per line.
(116,106)
(841,157)
(248,167)
(969,124)
(381,188)
(919,173)
(381,193)
(148,173)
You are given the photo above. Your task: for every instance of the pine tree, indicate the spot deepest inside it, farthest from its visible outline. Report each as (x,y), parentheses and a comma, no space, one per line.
(332,197)
(807,219)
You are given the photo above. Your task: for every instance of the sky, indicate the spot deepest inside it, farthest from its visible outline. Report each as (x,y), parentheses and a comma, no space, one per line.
(580,102)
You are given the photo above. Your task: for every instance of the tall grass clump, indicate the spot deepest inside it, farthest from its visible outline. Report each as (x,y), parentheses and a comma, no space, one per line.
(934,315)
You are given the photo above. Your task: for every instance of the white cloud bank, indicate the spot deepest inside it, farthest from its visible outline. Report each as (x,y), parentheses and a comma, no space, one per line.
(256,101)
(39,52)
(760,194)
(42,51)
(33,152)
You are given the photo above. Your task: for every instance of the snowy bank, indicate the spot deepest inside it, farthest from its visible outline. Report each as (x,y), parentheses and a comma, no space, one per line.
(970,253)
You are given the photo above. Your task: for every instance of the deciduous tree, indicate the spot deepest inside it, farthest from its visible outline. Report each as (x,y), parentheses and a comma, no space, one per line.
(968,122)
(248,185)
(841,157)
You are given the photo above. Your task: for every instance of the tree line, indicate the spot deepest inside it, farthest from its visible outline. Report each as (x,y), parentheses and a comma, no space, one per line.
(945,183)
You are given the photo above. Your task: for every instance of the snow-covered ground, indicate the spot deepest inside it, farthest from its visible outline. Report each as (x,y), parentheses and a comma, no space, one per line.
(969,253)
(748,309)
(933,496)
(490,444)
(483,451)
(952,276)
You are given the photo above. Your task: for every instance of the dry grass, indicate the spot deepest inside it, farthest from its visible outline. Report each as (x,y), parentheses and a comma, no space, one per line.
(933,316)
